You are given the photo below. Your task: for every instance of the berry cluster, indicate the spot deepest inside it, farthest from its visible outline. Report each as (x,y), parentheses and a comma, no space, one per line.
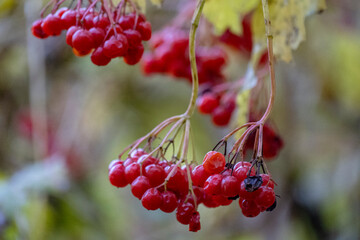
(165,186)
(219,106)
(170,55)
(272,142)
(91,31)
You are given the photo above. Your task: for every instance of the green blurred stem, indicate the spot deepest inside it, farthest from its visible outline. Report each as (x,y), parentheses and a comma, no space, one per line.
(195,78)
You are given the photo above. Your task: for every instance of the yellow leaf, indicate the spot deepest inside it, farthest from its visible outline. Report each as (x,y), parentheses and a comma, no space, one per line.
(288,24)
(226,14)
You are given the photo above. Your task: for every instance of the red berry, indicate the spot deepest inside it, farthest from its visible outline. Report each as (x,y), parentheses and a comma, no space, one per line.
(52,25)
(169,203)
(184,212)
(139,186)
(199,176)
(127,22)
(117,176)
(152,199)
(230,186)
(212,185)
(101,21)
(265,198)
(128,161)
(145,30)
(137,153)
(133,37)
(214,162)
(98,36)
(132,171)
(156,174)
(221,116)
(82,41)
(266,181)
(37,30)
(210,201)
(194,224)
(146,160)
(207,103)
(61,11)
(249,208)
(241,170)
(98,57)
(116,46)
(134,55)
(247,195)
(178,182)
(222,200)
(68,19)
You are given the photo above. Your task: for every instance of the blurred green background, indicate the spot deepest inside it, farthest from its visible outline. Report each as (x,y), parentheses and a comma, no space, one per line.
(92,113)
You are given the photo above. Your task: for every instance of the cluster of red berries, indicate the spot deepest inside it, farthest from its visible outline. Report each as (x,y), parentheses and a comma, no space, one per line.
(272,142)
(165,186)
(90,31)
(219,106)
(170,55)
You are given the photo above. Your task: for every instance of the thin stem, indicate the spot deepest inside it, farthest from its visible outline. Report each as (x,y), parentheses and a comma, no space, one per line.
(195,78)
(269,37)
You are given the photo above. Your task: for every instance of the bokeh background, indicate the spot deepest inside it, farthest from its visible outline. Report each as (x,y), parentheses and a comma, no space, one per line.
(54,185)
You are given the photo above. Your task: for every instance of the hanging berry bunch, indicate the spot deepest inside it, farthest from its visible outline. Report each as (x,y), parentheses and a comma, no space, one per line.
(101,28)
(175,183)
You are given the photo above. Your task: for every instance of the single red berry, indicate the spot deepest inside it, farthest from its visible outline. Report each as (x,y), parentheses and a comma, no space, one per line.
(89,20)
(132,171)
(194,224)
(207,103)
(116,46)
(52,25)
(68,19)
(146,160)
(134,55)
(214,162)
(265,198)
(249,208)
(61,11)
(101,22)
(178,182)
(156,174)
(199,193)
(127,22)
(152,199)
(133,37)
(128,161)
(169,203)
(241,170)
(139,186)
(82,41)
(137,153)
(199,176)
(230,186)
(210,201)
(145,30)
(184,212)
(117,176)
(98,36)
(221,116)
(212,185)
(37,30)
(98,57)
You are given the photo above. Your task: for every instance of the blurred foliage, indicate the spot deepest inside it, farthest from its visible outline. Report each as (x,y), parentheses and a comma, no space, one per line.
(93,113)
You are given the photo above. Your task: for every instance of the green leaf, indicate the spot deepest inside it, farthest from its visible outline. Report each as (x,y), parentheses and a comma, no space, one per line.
(288,24)
(226,14)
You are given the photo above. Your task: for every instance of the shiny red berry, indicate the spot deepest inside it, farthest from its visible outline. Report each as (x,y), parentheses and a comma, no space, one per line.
(152,199)
(139,186)
(214,162)
(117,176)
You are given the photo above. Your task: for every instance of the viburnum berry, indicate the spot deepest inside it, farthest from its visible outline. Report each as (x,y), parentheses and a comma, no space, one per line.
(199,176)
(221,116)
(98,57)
(146,160)
(37,29)
(134,54)
(212,185)
(68,19)
(155,173)
(117,176)
(194,223)
(139,186)
(249,208)
(265,198)
(152,199)
(114,162)
(210,201)
(116,46)
(267,181)
(230,186)
(132,171)
(207,103)
(83,41)
(144,29)
(98,36)
(214,162)
(247,195)
(241,170)
(52,25)
(169,203)
(178,182)
(184,212)
(222,200)
(70,33)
